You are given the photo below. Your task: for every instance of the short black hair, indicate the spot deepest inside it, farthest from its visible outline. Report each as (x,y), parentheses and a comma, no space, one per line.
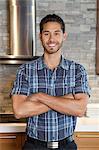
(52,18)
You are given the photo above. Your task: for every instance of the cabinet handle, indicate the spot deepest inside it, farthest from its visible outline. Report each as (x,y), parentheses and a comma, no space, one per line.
(7,137)
(87,136)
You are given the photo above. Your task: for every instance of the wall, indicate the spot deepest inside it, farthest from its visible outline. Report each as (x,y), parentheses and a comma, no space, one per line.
(80,21)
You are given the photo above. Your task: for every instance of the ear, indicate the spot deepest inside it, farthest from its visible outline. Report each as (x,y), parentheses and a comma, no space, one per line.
(65,36)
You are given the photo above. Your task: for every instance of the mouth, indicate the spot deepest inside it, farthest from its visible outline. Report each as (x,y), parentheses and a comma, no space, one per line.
(52,45)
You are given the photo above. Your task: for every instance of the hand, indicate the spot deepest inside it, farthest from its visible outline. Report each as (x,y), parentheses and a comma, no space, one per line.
(37,97)
(33,97)
(69,96)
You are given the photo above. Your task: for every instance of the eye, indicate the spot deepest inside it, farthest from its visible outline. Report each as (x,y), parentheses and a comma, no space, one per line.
(57,33)
(46,34)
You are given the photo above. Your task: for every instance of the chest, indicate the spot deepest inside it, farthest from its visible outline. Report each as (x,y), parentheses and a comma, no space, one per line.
(57,82)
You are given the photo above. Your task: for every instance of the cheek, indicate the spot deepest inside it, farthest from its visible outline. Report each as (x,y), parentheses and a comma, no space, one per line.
(44,42)
(44,39)
(60,40)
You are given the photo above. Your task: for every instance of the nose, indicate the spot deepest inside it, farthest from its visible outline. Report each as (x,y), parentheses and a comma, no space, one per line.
(51,37)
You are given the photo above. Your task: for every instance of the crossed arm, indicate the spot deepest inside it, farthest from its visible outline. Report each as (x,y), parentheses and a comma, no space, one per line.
(39,103)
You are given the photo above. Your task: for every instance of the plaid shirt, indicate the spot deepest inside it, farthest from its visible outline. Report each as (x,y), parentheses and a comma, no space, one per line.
(68,78)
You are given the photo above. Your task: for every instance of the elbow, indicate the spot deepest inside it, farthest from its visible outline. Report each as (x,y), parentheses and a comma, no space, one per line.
(17,114)
(81,113)
(82,109)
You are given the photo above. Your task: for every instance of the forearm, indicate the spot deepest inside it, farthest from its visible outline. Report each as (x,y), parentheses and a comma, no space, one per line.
(61,104)
(66,104)
(26,108)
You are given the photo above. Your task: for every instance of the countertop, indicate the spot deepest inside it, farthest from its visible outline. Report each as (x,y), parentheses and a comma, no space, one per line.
(84,124)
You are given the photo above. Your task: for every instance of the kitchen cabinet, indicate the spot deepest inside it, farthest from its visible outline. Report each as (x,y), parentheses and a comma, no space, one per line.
(11,141)
(84,140)
(87,140)
(12,135)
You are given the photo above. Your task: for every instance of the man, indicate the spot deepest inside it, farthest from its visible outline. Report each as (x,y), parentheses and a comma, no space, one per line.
(51,92)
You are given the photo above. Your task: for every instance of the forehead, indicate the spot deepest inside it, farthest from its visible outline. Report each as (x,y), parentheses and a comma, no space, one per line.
(51,26)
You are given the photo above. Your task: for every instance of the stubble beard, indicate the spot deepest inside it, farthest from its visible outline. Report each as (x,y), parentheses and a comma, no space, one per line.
(51,50)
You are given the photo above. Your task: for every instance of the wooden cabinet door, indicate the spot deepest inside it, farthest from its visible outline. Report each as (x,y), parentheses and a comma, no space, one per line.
(11,141)
(87,140)
(23,138)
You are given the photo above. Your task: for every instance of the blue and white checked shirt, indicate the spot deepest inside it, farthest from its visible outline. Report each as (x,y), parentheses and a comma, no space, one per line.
(68,78)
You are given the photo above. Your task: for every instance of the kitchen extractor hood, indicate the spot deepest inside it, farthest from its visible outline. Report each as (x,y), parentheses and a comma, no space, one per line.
(22,32)
(11,59)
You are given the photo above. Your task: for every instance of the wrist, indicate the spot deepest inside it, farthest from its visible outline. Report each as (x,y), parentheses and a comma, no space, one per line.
(29,98)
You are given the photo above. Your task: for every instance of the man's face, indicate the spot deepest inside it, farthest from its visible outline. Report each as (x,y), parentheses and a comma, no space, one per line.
(52,37)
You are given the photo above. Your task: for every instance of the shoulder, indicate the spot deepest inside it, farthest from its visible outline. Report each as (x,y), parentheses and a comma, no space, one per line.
(30,65)
(73,65)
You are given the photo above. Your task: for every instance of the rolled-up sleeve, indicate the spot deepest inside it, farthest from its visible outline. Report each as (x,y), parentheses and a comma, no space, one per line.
(20,85)
(81,80)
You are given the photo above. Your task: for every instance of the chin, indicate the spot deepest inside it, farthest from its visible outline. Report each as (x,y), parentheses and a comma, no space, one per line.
(51,52)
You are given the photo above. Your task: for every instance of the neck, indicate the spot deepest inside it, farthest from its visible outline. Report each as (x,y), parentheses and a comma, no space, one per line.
(52,60)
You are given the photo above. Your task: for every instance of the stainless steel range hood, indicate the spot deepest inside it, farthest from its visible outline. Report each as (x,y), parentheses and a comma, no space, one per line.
(12,59)
(22,32)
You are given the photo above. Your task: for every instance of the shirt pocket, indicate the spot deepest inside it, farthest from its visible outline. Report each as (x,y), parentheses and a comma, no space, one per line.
(69,85)
(37,85)
(33,88)
(64,85)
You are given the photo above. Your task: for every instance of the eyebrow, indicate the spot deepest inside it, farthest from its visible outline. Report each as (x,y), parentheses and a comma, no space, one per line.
(49,31)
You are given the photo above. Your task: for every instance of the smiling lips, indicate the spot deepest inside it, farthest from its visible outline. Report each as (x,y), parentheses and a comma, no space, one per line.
(52,45)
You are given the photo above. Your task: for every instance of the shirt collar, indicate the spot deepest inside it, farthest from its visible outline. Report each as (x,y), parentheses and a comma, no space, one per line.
(63,63)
